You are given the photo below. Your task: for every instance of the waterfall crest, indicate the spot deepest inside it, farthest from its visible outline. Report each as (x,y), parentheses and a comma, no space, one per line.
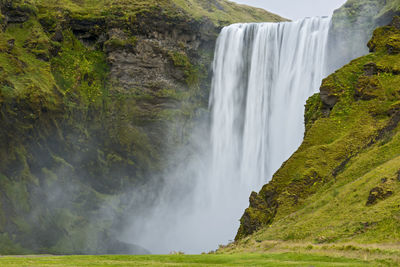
(263,75)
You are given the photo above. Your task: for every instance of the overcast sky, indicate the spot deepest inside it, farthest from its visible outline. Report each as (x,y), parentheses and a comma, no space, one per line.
(296,9)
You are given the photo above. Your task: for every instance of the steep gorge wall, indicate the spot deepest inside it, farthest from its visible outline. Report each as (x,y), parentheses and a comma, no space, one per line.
(91,99)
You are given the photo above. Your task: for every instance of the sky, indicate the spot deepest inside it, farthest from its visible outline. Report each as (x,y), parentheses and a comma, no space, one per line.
(296,9)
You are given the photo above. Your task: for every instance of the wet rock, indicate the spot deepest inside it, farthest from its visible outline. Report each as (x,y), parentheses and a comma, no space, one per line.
(328,99)
(370,69)
(377,193)
(262,210)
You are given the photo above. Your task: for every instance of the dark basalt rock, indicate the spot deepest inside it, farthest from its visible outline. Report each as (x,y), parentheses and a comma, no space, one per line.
(376,194)
(87,30)
(262,210)
(16,16)
(328,99)
(58,36)
(370,69)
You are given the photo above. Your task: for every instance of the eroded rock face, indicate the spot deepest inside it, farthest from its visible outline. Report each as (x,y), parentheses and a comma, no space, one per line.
(130,69)
(328,96)
(261,212)
(15,15)
(147,61)
(98,148)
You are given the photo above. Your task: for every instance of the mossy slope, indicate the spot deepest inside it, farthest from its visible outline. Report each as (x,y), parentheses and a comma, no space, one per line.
(343,184)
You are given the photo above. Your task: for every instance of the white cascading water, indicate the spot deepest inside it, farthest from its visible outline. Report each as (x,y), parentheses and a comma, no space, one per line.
(263,75)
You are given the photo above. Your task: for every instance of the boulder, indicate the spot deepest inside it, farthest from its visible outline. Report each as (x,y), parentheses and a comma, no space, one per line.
(378,193)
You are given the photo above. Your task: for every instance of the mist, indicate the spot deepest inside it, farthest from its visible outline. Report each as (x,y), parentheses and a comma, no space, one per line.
(247,135)
(255,122)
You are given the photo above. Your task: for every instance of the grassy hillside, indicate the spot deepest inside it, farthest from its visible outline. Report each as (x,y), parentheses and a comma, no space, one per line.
(226,12)
(343,184)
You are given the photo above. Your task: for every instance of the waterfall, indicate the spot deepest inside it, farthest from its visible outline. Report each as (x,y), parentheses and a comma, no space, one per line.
(263,75)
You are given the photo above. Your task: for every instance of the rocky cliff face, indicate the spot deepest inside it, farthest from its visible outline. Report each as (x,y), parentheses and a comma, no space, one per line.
(91,98)
(342,184)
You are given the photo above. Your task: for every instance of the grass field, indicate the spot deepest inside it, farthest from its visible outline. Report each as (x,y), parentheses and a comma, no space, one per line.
(274,259)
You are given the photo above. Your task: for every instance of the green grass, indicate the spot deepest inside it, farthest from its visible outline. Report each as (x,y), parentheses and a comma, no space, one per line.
(279,259)
(220,12)
(225,12)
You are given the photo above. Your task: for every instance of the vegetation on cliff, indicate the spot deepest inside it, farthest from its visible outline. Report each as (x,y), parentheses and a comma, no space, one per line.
(343,183)
(91,95)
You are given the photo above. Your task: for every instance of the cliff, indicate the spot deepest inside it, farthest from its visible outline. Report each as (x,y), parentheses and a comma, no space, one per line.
(342,185)
(353,25)
(92,95)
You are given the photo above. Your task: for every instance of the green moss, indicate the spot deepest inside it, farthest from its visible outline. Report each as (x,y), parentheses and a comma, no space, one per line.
(313,110)
(193,73)
(115,44)
(180,59)
(80,71)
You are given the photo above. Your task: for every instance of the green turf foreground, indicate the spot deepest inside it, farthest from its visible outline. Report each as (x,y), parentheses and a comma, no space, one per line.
(281,259)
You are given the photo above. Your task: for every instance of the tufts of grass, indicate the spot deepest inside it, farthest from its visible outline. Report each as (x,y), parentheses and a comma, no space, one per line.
(273,259)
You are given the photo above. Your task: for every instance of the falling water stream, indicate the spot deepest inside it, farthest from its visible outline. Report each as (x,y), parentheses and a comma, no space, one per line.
(263,75)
